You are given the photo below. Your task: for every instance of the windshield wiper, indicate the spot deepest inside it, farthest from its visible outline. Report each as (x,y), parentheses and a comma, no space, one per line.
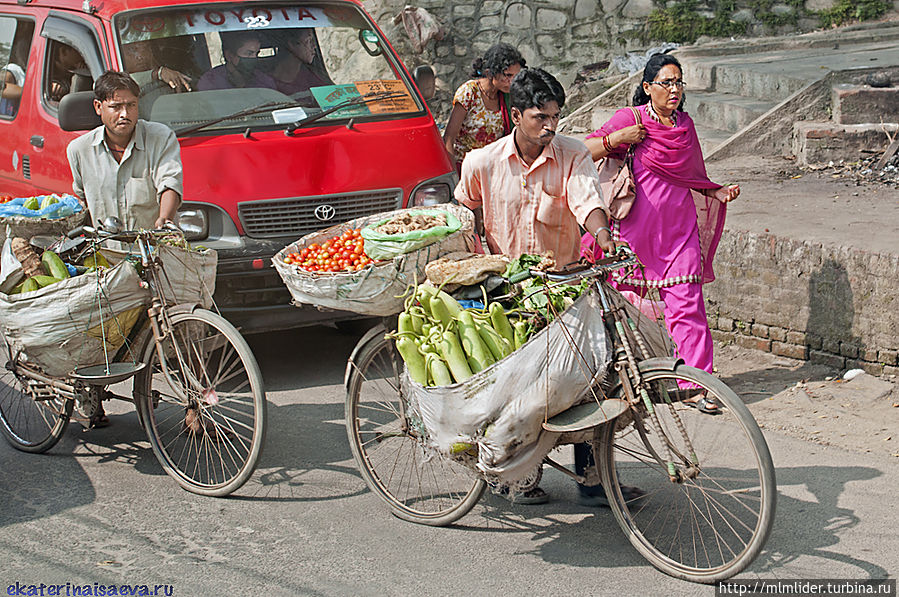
(374,96)
(245,112)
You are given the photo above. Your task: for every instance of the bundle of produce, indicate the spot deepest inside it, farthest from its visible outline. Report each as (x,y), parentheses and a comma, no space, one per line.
(39,271)
(73,320)
(483,380)
(345,252)
(408,231)
(464,269)
(331,274)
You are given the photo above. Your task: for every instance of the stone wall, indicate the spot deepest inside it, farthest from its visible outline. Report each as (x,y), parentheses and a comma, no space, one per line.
(559,35)
(806,300)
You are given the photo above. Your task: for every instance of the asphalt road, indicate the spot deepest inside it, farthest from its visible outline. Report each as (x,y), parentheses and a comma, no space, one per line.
(99,509)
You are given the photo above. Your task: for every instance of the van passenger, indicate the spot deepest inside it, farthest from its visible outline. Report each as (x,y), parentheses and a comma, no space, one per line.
(298,66)
(66,65)
(241,52)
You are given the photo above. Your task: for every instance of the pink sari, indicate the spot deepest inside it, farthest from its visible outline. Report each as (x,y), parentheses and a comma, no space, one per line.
(661,227)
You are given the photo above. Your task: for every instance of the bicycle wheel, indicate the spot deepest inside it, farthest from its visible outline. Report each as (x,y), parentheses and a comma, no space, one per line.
(417,484)
(33,416)
(203,407)
(713,519)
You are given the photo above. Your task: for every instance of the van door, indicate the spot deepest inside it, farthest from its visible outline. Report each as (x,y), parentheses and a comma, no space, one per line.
(72,59)
(16,37)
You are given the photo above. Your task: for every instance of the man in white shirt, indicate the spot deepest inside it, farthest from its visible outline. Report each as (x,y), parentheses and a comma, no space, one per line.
(127,167)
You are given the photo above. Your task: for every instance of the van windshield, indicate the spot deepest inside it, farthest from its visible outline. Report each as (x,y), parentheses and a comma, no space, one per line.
(202,63)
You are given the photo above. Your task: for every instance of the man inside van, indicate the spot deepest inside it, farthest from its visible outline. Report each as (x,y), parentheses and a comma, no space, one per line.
(241,52)
(536,188)
(65,64)
(126,167)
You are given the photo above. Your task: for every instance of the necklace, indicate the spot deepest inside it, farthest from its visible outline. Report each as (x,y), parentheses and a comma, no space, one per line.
(485,94)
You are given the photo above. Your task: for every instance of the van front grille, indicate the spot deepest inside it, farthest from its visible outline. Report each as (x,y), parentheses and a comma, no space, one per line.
(301,215)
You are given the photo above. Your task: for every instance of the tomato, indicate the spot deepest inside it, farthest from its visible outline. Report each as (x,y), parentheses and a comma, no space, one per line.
(341,253)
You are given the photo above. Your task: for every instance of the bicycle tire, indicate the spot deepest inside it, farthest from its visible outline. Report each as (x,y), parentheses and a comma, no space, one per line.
(206,425)
(417,485)
(29,424)
(685,529)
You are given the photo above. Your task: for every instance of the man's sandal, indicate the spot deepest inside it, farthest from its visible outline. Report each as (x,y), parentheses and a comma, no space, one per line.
(704,404)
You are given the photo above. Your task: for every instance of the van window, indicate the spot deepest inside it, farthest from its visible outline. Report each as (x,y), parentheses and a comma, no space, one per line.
(15,43)
(66,70)
(261,66)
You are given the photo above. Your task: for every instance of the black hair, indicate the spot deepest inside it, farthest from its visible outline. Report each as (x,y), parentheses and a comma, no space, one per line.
(495,60)
(650,71)
(232,40)
(111,81)
(533,87)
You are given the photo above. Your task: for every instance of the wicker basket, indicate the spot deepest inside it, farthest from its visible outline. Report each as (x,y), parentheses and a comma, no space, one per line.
(20,226)
(375,290)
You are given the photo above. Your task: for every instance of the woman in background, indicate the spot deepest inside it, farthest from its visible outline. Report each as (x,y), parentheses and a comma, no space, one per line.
(480,112)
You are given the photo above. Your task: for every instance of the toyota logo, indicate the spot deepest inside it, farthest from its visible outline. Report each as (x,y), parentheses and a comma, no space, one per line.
(325,212)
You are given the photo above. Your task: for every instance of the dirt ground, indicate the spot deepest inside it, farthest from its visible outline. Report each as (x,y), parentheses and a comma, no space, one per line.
(828,204)
(812,402)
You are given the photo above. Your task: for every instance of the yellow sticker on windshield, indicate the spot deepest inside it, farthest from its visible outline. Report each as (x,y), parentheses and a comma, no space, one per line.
(398,100)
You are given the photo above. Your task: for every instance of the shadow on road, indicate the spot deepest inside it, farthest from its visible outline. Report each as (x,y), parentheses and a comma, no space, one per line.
(566,533)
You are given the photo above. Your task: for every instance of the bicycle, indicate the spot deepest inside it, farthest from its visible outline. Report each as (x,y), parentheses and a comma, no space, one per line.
(197,387)
(708,481)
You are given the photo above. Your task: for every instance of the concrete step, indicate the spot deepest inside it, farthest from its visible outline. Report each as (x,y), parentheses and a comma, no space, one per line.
(775,75)
(725,111)
(823,142)
(710,138)
(860,104)
(738,76)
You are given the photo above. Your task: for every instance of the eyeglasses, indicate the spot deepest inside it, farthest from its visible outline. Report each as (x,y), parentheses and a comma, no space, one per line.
(670,84)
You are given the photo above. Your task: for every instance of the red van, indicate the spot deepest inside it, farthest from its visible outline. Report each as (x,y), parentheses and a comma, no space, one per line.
(291,116)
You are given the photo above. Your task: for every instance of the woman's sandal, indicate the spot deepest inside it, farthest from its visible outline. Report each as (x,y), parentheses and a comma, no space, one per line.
(704,404)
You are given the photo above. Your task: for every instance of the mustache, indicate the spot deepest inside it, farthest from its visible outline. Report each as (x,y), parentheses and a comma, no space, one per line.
(548,134)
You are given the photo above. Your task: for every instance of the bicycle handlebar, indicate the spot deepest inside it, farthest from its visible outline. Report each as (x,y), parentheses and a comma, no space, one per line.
(624,257)
(99,233)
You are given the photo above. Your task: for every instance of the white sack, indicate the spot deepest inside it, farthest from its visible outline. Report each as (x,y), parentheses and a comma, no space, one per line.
(57,327)
(190,275)
(502,408)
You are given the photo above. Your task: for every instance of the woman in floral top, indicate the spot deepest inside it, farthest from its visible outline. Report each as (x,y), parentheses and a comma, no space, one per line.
(480,113)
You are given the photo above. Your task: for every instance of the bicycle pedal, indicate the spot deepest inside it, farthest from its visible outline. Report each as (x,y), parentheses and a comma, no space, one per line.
(585,416)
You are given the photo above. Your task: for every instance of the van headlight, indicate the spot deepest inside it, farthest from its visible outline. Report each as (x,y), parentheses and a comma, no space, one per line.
(431,195)
(435,191)
(194,223)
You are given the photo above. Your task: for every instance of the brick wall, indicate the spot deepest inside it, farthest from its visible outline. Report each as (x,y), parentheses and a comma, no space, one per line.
(806,300)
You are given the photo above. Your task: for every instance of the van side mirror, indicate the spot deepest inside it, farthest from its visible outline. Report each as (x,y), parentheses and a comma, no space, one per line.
(425,80)
(76,112)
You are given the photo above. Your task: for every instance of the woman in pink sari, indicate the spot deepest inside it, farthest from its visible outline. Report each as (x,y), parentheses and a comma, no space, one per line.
(676,220)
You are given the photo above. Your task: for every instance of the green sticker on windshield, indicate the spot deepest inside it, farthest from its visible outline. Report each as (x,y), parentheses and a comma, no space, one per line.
(370,36)
(329,96)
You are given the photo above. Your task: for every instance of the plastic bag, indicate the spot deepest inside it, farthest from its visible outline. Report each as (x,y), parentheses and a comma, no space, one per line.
(66,205)
(10,268)
(502,408)
(387,246)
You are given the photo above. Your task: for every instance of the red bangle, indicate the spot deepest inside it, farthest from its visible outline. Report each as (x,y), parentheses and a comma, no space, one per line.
(606,144)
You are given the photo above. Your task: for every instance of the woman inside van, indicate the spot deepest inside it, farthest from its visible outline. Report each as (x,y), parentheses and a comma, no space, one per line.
(298,66)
